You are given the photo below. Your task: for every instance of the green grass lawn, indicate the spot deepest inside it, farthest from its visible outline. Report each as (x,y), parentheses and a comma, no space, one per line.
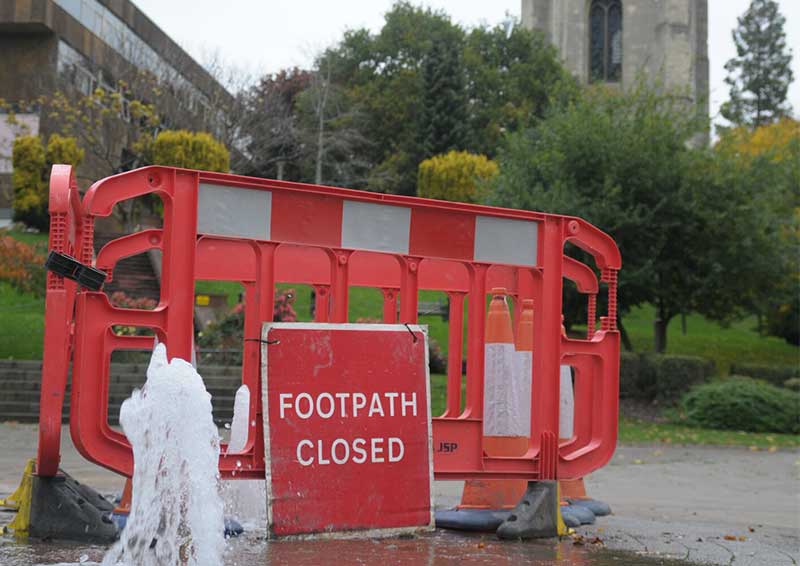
(22,324)
(737,343)
(21,314)
(636,431)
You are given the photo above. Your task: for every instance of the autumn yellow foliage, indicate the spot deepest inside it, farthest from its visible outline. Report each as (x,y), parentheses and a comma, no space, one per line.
(778,141)
(456,176)
(191,150)
(31,162)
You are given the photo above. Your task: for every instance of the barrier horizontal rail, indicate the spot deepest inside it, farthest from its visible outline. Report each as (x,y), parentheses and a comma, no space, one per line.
(260,232)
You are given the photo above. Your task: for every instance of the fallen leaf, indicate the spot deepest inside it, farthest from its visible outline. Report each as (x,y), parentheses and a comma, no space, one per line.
(742,539)
(481,544)
(729,537)
(773,449)
(754,449)
(751,529)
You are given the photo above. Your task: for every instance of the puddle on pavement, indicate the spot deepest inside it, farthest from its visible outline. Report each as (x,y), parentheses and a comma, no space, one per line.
(441,548)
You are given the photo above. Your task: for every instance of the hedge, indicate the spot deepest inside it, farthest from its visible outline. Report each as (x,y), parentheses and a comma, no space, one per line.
(742,403)
(776,375)
(664,378)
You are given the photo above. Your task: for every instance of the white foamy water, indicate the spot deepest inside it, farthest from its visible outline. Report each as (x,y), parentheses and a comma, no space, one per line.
(176,512)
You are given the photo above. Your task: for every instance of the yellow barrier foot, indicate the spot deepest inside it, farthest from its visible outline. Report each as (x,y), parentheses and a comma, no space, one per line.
(20,501)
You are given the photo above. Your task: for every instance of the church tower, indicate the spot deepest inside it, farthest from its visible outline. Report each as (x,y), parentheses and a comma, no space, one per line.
(616,41)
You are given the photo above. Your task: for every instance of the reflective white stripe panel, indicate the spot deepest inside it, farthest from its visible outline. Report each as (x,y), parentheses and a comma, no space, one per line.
(231,211)
(566,413)
(377,227)
(505,240)
(501,411)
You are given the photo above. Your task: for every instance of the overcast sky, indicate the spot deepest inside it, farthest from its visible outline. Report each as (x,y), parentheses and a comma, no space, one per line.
(261,36)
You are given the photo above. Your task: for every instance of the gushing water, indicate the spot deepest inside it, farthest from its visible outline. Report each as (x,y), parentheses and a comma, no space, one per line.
(176,512)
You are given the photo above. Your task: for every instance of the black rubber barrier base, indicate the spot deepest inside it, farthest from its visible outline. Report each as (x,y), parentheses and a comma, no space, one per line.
(573,513)
(480,520)
(599,508)
(535,516)
(62,508)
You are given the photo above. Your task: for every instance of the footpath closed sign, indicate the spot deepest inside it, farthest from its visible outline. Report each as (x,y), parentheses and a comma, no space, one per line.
(347,427)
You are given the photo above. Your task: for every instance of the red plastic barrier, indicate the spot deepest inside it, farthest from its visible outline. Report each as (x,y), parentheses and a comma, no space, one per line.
(258,232)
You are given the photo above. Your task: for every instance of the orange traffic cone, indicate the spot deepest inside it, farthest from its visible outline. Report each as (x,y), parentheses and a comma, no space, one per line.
(124,506)
(572,489)
(505,427)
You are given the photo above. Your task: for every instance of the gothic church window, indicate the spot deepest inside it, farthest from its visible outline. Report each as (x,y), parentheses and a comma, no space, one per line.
(605,41)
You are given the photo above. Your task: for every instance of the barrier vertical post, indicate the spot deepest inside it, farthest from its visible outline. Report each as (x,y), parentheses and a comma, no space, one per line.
(455,348)
(389,305)
(322,295)
(546,362)
(178,262)
(339,276)
(59,301)
(409,290)
(475,329)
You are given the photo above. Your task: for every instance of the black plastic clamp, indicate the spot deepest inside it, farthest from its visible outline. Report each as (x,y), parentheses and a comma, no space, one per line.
(71,268)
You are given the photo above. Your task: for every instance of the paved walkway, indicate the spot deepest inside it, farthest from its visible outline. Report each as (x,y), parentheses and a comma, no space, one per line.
(669,500)
(685,501)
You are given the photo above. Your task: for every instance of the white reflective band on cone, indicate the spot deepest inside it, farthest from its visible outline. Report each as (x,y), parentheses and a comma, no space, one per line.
(245,500)
(502,407)
(566,414)
(241,412)
(521,384)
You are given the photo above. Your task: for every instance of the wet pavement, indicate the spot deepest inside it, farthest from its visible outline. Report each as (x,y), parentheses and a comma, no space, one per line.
(435,549)
(699,505)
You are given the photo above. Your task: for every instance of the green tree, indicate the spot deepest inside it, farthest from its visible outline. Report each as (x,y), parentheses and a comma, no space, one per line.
(760,74)
(190,150)
(269,121)
(444,105)
(513,77)
(765,162)
(384,74)
(331,126)
(457,176)
(508,77)
(31,163)
(620,160)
